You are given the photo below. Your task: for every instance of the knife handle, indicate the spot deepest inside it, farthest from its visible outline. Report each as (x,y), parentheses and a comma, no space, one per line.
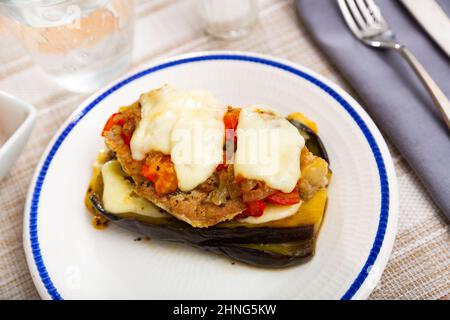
(436,93)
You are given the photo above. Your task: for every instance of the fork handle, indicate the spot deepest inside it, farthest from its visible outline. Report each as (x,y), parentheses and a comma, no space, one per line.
(436,93)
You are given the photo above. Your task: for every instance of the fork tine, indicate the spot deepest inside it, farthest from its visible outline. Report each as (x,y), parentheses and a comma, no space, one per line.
(348,17)
(356,13)
(365,11)
(376,13)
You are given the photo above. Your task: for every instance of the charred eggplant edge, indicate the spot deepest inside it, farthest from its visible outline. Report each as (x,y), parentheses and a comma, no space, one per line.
(233,248)
(313,143)
(176,230)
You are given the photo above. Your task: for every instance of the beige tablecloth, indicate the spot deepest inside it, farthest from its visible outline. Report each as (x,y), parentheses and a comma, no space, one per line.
(419,267)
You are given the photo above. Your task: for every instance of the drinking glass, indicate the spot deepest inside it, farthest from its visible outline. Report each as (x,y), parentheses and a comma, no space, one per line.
(81,44)
(229,19)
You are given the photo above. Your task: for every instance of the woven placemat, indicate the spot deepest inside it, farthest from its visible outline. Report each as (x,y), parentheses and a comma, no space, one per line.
(419,267)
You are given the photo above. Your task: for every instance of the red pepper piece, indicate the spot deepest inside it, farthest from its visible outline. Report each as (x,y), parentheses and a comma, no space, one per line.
(284,199)
(255,208)
(116,118)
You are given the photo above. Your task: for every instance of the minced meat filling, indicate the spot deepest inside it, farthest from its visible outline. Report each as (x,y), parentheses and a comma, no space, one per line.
(192,207)
(219,198)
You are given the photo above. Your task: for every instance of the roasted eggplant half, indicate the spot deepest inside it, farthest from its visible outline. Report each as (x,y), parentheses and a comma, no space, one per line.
(264,247)
(275,244)
(268,255)
(171,229)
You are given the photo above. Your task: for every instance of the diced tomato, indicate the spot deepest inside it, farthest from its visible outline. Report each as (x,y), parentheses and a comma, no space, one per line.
(223,165)
(231,118)
(238,178)
(255,208)
(284,199)
(148,172)
(162,174)
(116,118)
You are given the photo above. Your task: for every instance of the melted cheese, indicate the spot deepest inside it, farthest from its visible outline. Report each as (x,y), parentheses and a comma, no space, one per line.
(268,149)
(273,212)
(188,126)
(119,196)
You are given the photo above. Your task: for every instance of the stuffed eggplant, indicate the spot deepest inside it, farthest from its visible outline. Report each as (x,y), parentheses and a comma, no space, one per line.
(226,198)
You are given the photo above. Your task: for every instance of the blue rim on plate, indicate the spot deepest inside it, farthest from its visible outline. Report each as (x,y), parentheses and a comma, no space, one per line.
(384,184)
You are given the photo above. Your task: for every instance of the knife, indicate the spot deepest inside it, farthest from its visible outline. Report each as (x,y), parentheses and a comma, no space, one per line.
(433,19)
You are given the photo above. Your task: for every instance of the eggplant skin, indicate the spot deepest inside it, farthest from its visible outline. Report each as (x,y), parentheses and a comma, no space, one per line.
(232,242)
(312,140)
(265,258)
(175,230)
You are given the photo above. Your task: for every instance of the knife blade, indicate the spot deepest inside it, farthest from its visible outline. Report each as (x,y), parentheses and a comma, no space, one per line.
(433,19)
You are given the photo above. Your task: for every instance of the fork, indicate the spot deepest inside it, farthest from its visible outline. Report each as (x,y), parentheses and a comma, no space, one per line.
(365,20)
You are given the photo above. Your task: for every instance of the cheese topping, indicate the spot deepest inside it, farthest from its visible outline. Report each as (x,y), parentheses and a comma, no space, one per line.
(273,212)
(268,149)
(188,126)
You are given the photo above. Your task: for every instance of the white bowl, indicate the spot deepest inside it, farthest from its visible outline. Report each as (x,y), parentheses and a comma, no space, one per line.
(16,122)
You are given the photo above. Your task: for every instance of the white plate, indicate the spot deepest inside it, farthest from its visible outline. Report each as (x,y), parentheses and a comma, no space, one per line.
(69,259)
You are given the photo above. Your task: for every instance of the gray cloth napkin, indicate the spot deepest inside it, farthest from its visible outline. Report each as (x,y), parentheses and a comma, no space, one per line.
(393,95)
